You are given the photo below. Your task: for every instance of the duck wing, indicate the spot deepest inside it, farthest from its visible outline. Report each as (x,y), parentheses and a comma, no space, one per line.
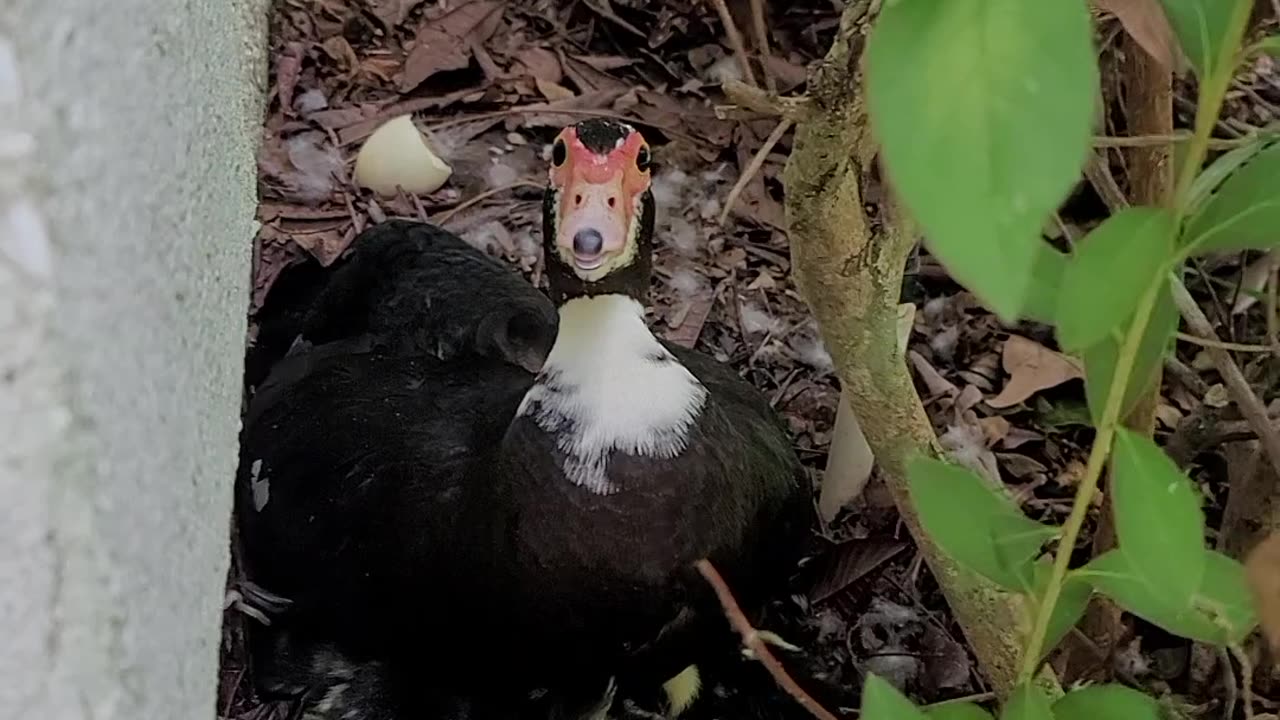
(356,493)
(406,288)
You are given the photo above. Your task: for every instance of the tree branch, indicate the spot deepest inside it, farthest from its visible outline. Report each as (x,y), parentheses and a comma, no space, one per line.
(752,641)
(1251,406)
(850,273)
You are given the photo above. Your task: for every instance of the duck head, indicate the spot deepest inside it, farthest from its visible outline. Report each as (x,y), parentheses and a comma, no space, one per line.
(598,212)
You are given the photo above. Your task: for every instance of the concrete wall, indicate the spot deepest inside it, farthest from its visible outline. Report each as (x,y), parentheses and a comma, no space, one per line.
(127,138)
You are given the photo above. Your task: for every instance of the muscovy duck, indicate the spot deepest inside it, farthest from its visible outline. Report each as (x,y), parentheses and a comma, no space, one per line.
(631,457)
(493,527)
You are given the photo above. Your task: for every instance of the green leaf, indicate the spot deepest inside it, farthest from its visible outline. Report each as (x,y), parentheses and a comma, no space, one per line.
(1269,45)
(1221,613)
(1225,596)
(1017,540)
(1200,26)
(1110,269)
(1106,702)
(1220,169)
(1244,212)
(1158,517)
(882,701)
(959,510)
(1027,702)
(1100,359)
(984,110)
(957,711)
(1041,303)
(1062,412)
(1070,607)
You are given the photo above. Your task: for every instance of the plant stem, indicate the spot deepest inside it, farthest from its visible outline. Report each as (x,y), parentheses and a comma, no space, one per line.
(1213,90)
(1089,483)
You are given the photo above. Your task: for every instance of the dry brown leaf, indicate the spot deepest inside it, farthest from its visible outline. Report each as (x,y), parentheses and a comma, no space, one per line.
(933,380)
(342,53)
(994,428)
(1019,436)
(444,43)
(588,79)
(551,90)
(788,74)
(288,66)
(541,64)
(276,253)
(324,240)
(548,117)
(1021,466)
(1032,367)
(1254,279)
(605,63)
(850,561)
(1146,23)
(849,462)
(692,317)
(392,13)
(1262,569)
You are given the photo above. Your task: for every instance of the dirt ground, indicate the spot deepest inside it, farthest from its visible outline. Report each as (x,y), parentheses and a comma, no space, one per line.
(491,82)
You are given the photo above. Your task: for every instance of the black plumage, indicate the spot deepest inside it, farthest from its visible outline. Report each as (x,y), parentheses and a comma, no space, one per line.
(401,483)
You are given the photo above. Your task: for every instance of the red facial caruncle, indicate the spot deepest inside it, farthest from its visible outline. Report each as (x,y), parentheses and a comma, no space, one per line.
(598,193)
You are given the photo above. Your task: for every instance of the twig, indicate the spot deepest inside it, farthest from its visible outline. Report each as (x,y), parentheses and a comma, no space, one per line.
(1098,170)
(735,41)
(1250,405)
(1220,344)
(1246,679)
(762,44)
(974,698)
(1188,377)
(1228,685)
(1072,236)
(1273,320)
(1134,141)
(612,17)
(445,216)
(751,640)
(753,167)
(795,109)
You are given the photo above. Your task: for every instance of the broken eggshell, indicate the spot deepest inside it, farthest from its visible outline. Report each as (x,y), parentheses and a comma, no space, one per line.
(396,154)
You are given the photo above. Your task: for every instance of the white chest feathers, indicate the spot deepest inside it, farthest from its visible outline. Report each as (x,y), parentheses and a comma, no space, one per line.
(610,386)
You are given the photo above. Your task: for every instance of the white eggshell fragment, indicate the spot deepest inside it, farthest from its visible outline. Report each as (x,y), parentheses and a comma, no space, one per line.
(397,154)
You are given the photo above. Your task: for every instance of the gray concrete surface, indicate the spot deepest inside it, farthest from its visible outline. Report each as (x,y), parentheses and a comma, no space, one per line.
(127,138)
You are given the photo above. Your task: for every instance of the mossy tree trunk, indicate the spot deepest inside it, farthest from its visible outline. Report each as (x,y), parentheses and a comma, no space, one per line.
(848,259)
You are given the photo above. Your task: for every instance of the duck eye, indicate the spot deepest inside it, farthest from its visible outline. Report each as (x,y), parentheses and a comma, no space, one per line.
(559,153)
(643,161)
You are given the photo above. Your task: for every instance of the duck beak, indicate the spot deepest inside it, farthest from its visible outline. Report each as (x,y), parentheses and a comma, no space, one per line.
(594,221)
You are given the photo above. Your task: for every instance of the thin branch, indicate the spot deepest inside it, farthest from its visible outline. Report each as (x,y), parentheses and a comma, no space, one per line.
(735,41)
(762,44)
(1135,141)
(1250,405)
(753,167)
(1246,679)
(752,641)
(743,95)
(1216,343)
(1098,171)
(447,215)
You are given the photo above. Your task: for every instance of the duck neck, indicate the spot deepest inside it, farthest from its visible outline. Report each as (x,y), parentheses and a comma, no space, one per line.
(610,386)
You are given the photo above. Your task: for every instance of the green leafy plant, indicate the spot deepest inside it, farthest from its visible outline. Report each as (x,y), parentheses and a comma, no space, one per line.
(983,110)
